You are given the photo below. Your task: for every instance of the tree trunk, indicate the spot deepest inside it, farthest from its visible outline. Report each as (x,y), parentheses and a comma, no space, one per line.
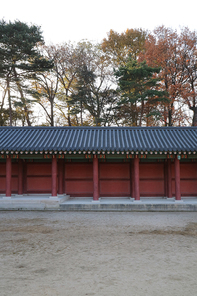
(9,101)
(22,97)
(96,120)
(81,113)
(194,109)
(165,116)
(169,117)
(52,118)
(170,108)
(141,113)
(69,121)
(3,98)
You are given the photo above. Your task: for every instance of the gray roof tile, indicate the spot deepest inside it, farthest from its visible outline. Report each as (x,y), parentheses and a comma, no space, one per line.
(98,139)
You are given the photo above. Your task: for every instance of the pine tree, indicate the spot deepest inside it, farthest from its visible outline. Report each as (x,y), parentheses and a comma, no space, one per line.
(140,92)
(20,60)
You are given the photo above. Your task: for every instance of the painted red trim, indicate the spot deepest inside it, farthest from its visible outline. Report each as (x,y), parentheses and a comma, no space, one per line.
(20,176)
(8,175)
(137,178)
(177,179)
(54,175)
(95,178)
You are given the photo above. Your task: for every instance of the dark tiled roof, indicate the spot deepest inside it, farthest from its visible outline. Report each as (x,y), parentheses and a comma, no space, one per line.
(161,139)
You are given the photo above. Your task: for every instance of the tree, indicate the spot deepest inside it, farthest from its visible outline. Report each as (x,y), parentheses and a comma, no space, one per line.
(20,61)
(45,86)
(66,59)
(188,43)
(141,96)
(93,93)
(121,47)
(164,49)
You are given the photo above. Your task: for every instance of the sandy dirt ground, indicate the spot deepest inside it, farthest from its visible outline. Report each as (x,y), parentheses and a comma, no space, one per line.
(78,254)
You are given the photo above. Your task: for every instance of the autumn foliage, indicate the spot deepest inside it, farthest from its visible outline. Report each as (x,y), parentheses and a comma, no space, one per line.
(176,54)
(133,78)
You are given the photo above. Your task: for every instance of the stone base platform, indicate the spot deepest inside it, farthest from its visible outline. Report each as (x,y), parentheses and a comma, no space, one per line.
(32,202)
(130,205)
(44,202)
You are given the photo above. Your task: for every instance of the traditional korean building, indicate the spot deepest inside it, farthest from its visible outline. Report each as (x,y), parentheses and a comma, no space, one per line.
(99,161)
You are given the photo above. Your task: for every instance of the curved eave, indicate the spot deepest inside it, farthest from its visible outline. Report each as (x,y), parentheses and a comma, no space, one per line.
(74,152)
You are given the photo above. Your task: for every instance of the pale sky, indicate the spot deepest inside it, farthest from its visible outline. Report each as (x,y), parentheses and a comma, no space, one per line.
(74,20)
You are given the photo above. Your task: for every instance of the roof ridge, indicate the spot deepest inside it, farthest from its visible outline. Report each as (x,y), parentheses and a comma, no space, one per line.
(98,127)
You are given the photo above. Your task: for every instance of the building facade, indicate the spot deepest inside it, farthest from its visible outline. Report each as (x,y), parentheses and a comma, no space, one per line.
(99,161)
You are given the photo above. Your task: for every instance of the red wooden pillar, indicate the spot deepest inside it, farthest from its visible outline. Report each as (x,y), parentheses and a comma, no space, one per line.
(54,175)
(169,178)
(61,176)
(20,176)
(132,179)
(8,175)
(95,179)
(24,176)
(165,179)
(137,177)
(177,179)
